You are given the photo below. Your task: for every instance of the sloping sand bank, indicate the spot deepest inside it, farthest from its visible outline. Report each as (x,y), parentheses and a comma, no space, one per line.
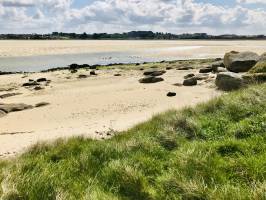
(90,106)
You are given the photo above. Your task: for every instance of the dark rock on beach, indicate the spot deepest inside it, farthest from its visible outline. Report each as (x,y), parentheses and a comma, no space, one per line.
(93,73)
(7,108)
(189,76)
(30,83)
(42,104)
(154,72)
(151,79)
(205,70)
(41,80)
(3,96)
(171,94)
(190,81)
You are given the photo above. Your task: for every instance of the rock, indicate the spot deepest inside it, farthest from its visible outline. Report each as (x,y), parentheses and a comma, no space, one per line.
(240,62)
(151,79)
(137,64)
(3,96)
(7,108)
(169,68)
(189,76)
(93,73)
(117,75)
(221,69)
(171,94)
(216,65)
(202,76)
(82,76)
(190,81)
(41,80)
(184,68)
(218,59)
(228,81)
(42,104)
(141,69)
(154,72)
(31,83)
(205,70)
(38,88)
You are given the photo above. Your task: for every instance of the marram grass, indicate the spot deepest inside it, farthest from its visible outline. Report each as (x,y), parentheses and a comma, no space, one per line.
(216,150)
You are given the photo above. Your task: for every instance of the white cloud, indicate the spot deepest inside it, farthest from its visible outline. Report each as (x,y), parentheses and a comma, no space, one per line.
(252,1)
(125,15)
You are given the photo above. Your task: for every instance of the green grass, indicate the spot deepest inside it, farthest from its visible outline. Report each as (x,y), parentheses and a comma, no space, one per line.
(216,150)
(260,67)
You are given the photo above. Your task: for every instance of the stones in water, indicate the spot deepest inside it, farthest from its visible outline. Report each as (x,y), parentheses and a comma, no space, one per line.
(189,76)
(228,81)
(151,79)
(171,94)
(205,70)
(240,62)
(190,81)
(154,72)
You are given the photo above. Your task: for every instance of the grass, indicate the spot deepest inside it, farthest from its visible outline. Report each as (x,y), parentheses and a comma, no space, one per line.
(216,150)
(260,67)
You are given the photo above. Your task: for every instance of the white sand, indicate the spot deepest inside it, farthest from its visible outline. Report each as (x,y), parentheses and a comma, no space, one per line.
(180,48)
(87,106)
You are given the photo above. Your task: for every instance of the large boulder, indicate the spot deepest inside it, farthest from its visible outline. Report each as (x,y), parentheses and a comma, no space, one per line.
(228,81)
(240,62)
(151,79)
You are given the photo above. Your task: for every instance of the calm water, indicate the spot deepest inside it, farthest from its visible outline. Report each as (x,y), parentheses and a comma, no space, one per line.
(41,55)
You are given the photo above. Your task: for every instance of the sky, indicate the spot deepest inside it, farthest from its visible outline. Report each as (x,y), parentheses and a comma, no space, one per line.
(98,16)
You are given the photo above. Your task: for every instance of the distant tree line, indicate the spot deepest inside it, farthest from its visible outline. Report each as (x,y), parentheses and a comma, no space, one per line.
(135,35)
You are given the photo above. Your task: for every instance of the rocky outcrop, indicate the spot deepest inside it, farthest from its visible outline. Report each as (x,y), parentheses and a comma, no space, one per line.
(240,62)
(228,81)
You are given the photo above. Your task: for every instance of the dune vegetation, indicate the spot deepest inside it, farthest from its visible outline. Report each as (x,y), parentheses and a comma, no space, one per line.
(260,67)
(216,150)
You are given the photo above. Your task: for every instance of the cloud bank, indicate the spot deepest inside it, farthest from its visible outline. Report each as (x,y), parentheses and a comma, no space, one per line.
(176,16)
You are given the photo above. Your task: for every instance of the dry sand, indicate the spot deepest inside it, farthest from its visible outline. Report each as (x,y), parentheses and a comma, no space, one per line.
(181,48)
(89,107)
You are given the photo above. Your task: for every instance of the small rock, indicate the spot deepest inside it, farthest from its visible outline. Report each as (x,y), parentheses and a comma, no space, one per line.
(31,83)
(38,88)
(190,81)
(42,104)
(154,72)
(93,73)
(189,76)
(117,75)
(3,96)
(202,76)
(205,70)
(7,108)
(41,80)
(184,68)
(151,79)
(169,68)
(82,76)
(178,84)
(171,94)
(221,69)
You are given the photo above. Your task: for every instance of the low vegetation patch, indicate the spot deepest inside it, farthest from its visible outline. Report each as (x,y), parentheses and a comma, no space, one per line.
(216,150)
(260,67)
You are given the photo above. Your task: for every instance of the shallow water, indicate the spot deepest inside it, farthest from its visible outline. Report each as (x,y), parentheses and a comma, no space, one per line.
(42,55)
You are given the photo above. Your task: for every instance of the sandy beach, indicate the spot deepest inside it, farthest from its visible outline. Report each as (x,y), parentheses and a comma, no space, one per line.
(89,107)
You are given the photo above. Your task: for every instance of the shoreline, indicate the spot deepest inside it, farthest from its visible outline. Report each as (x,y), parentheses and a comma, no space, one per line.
(77,102)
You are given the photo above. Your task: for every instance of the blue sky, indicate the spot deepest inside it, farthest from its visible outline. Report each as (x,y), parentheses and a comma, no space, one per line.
(176,16)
